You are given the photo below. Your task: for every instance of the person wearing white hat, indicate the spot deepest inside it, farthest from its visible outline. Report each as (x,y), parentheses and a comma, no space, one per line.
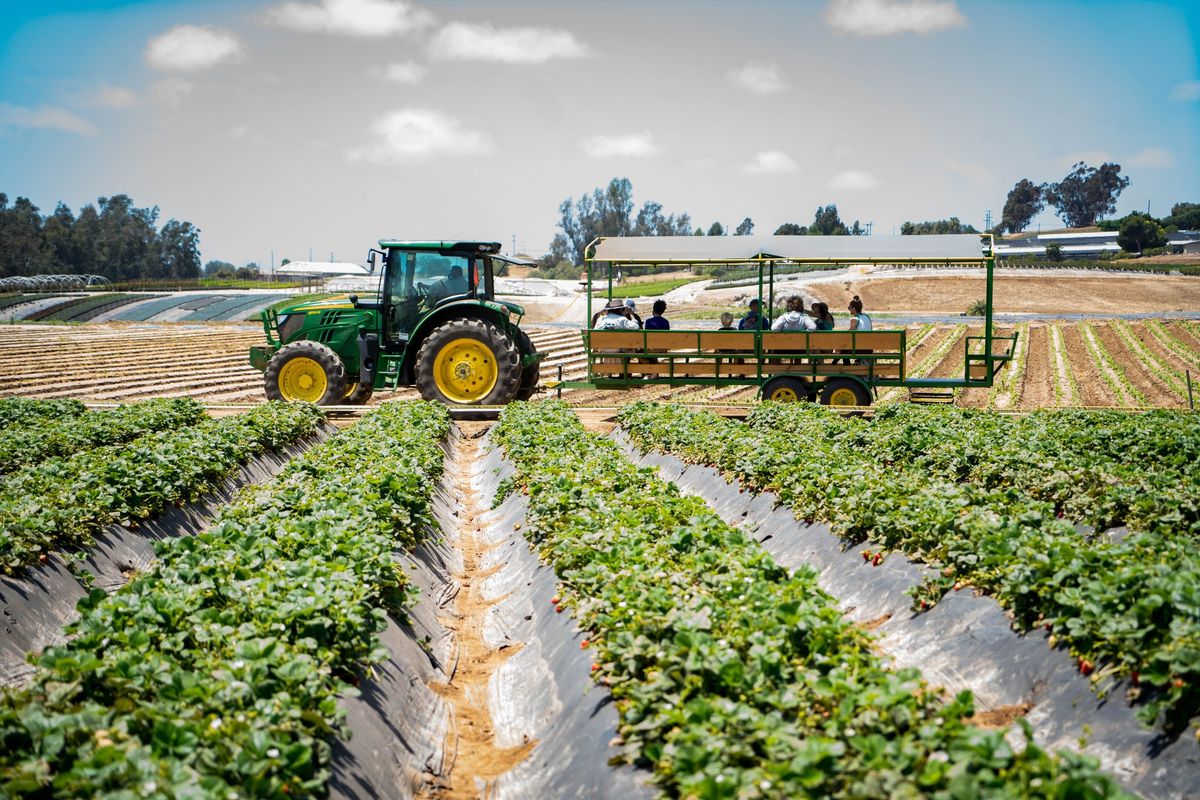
(616,318)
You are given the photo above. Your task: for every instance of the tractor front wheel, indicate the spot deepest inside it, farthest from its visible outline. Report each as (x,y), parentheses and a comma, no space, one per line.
(468,362)
(305,371)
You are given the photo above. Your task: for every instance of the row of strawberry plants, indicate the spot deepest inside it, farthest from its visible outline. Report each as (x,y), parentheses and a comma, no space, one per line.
(218,672)
(22,410)
(1123,390)
(1101,468)
(21,445)
(62,503)
(1129,605)
(1152,362)
(732,677)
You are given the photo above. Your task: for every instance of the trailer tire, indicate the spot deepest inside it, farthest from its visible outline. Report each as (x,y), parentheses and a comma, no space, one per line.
(531,373)
(468,361)
(844,392)
(787,389)
(305,371)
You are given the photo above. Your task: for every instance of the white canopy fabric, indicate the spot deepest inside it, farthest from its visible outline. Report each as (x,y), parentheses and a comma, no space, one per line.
(322,268)
(850,249)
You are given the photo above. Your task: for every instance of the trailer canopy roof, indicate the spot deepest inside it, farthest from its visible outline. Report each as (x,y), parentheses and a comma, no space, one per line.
(956,248)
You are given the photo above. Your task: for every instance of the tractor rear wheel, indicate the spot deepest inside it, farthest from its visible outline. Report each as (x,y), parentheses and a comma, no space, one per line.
(305,371)
(468,362)
(531,373)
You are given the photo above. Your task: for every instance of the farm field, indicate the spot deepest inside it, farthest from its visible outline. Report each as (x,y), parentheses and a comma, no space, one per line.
(1102,363)
(956,602)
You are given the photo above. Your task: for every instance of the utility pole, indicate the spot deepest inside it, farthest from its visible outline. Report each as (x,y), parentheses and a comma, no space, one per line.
(514,248)
(330,256)
(987,220)
(869,226)
(310,254)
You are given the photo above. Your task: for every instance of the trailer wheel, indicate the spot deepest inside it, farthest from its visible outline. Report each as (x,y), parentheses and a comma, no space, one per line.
(357,394)
(530,374)
(784,389)
(468,362)
(845,392)
(305,371)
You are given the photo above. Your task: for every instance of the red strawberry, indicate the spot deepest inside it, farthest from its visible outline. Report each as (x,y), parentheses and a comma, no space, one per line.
(583,645)
(555,600)
(1135,678)
(924,605)
(43,558)
(878,559)
(1177,683)
(1085,667)
(558,609)
(595,667)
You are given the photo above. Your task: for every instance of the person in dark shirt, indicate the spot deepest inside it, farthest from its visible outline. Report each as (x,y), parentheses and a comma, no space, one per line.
(754,319)
(657,321)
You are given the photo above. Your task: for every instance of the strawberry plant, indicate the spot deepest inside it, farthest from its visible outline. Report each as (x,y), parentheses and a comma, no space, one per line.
(994,501)
(22,410)
(217,672)
(21,445)
(61,503)
(732,677)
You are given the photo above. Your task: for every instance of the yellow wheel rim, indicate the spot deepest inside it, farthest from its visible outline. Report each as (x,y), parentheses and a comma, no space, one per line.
(465,370)
(785,394)
(302,378)
(843,397)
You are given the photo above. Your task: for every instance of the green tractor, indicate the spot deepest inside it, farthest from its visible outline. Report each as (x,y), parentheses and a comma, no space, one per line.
(435,325)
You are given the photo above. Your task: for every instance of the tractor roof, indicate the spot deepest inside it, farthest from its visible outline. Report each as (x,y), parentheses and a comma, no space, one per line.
(440,244)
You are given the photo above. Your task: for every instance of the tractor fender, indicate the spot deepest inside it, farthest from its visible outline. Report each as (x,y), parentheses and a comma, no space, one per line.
(461,310)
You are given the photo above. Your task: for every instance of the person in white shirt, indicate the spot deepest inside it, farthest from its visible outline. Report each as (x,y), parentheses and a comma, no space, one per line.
(794,319)
(616,318)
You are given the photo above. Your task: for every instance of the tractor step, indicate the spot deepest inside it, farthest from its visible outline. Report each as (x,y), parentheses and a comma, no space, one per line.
(927,397)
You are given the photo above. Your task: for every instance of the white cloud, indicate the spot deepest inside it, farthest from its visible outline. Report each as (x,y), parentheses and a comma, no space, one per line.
(854,180)
(889,17)
(976,173)
(461,41)
(104,96)
(171,91)
(351,17)
(1152,157)
(758,78)
(193,47)
(43,118)
(417,134)
(771,162)
(401,72)
(1186,92)
(630,145)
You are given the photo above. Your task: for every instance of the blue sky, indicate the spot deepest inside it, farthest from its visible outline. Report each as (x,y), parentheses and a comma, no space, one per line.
(287,125)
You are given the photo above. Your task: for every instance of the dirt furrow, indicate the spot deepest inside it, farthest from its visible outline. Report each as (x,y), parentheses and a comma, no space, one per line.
(1062,367)
(1136,372)
(1093,389)
(1037,389)
(470,743)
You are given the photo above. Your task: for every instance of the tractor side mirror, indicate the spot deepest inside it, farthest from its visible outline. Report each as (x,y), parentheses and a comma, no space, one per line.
(354,300)
(371,262)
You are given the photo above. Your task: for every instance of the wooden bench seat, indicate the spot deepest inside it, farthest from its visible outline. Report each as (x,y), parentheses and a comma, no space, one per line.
(743,341)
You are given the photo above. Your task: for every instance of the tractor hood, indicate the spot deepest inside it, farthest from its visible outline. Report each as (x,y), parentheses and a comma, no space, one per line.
(340,301)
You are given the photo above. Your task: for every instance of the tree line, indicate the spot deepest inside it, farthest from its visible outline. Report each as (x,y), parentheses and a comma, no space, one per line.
(610,211)
(113,238)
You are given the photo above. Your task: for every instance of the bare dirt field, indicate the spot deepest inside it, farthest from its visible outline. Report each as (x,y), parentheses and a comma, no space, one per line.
(1047,295)
(1097,363)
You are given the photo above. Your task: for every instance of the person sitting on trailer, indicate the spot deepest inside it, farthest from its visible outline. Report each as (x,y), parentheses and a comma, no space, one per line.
(631,307)
(726,322)
(657,322)
(794,319)
(616,318)
(824,319)
(858,320)
(754,319)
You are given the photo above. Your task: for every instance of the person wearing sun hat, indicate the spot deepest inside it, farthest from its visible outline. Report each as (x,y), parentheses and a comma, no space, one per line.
(616,318)
(632,308)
